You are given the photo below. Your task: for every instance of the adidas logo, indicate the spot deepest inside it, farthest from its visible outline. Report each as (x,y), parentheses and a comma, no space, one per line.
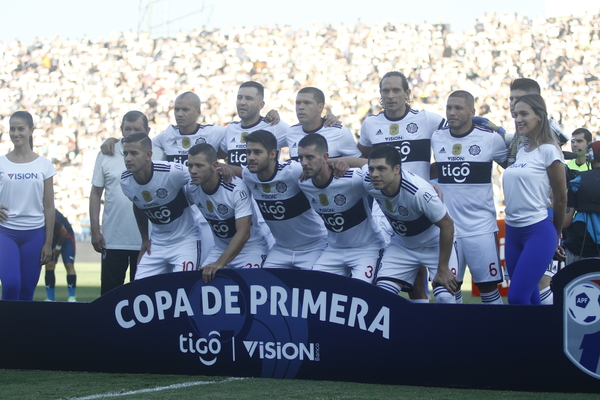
(294,145)
(379,132)
(442,151)
(232,140)
(255,186)
(175,143)
(135,198)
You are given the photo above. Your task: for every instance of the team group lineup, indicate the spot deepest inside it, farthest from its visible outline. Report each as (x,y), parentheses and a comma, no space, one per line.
(368,210)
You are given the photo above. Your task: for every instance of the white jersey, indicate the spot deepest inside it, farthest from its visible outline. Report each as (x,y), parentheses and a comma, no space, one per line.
(228,202)
(527,185)
(464,165)
(412,212)
(285,208)
(343,206)
(410,134)
(164,202)
(340,140)
(234,141)
(176,145)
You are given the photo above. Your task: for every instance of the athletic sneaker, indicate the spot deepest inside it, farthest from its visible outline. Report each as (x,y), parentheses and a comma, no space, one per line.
(72,299)
(48,300)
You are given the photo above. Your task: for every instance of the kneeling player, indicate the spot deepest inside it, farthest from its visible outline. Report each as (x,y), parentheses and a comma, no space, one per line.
(423,230)
(240,240)
(355,244)
(157,190)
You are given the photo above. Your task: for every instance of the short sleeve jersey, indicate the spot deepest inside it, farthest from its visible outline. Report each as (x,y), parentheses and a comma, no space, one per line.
(412,212)
(176,145)
(59,221)
(234,141)
(163,201)
(285,208)
(221,207)
(22,192)
(527,185)
(340,140)
(343,206)
(464,165)
(410,134)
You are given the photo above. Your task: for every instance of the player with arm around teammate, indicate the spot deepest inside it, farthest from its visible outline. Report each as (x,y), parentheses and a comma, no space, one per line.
(423,230)
(240,240)
(300,236)
(157,190)
(355,244)
(464,153)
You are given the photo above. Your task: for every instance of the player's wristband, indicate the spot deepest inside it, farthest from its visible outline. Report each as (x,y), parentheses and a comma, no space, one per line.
(57,247)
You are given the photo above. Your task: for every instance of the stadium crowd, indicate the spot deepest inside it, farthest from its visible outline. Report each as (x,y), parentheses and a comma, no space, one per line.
(78,89)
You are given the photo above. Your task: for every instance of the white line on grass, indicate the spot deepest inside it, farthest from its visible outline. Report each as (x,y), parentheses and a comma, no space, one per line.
(156,389)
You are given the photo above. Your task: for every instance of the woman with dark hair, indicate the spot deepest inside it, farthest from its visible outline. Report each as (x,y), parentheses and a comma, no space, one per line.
(26,212)
(537,174)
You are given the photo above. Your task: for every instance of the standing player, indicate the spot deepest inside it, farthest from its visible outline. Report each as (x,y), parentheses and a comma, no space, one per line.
(249,102)
(310,103)
(299,234)
(409,131)
(63,242)
(355,244)
(240,240)
(423,229)
(119,239)
(464,153)
(157,190)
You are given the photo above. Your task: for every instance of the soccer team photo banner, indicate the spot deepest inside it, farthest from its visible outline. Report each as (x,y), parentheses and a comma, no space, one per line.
(313,325)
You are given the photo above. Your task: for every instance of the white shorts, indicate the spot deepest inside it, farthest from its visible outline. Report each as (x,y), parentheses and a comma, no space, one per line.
(401,264)
(208,241)
(358,262)
(303,259)
(251,256)
(382,222)
(480,253)
(183,256)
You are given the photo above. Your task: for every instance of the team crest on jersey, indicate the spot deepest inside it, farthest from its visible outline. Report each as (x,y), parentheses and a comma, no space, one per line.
(146,195)
(222,209)
(412,128)
(243,138)
(323,200)
(210,206)
(581,321)
(402,211)
(266,188)
(162,193)
(281,187)
(456,149)
(394,129)
(474,150)
(339,199)
(389,206)
(200,140)
(186,143)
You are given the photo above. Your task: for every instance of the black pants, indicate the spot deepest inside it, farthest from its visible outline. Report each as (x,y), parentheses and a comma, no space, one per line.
(114,266)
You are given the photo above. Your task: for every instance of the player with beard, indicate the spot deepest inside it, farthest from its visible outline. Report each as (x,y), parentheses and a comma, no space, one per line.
(299,234)
(409,131)
(354,243)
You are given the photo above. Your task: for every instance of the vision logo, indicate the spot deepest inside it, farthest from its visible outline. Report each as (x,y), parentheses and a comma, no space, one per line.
(207,348)
(22,176)
(278,350)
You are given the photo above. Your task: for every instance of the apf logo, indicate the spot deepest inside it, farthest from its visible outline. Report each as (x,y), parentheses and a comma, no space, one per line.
(207,348)
(581,322)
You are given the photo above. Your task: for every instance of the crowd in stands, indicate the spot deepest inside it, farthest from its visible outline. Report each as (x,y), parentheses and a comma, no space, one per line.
(79,89)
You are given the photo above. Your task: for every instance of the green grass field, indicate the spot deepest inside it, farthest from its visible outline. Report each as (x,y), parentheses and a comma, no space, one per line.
(22,384)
